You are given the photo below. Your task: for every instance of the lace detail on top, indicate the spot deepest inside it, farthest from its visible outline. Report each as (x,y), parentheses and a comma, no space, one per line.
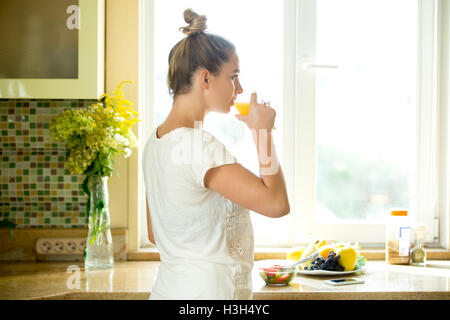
(239,232)
(239,241)
(243,283)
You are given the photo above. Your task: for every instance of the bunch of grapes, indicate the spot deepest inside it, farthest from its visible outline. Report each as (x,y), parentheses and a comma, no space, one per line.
(330,264)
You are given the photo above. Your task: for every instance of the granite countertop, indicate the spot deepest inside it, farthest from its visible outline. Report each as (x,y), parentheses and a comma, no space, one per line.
(133,280)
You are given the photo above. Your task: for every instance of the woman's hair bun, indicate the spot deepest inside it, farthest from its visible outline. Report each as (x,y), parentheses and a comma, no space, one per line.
(196,23)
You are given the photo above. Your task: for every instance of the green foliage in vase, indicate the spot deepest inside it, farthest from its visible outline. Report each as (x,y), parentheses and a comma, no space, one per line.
(95,135)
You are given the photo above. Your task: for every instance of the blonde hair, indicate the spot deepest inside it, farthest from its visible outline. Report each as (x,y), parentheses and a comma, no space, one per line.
(197,50)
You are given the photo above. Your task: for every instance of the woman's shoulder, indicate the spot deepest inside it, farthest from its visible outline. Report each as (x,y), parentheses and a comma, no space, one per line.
(189,135)
(189,142)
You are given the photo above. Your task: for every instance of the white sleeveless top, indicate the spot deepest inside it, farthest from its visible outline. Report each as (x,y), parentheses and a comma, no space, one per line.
(205,241)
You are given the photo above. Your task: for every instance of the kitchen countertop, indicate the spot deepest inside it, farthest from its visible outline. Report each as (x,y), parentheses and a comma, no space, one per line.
(133,280)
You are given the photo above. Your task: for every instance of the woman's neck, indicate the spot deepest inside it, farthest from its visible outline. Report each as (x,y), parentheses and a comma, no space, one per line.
(188,110)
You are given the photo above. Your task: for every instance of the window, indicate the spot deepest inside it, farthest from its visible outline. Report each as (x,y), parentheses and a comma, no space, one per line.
(354,86)
(365,133)
(365,102)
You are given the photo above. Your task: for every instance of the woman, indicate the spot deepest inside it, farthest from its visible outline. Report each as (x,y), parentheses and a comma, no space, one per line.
(198,195)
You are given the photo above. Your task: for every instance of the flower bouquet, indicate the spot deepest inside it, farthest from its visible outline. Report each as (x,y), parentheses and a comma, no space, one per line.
(94,136)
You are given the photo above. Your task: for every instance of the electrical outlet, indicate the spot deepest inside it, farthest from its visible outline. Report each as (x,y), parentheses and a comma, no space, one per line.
(60,246)
(71,246)
(81,246)
(44,247)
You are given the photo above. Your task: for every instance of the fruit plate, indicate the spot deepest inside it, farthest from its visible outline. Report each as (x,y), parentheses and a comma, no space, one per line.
(329,273)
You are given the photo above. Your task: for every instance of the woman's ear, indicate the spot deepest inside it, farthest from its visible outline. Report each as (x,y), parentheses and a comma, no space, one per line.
(204,78)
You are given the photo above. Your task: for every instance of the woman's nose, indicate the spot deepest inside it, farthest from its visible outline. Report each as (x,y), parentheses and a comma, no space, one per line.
(239,89)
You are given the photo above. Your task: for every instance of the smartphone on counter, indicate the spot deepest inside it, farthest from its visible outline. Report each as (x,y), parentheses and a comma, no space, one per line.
(344,281)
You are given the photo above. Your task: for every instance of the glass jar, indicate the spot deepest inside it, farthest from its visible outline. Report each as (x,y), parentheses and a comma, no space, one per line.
(418,254)
(398,242)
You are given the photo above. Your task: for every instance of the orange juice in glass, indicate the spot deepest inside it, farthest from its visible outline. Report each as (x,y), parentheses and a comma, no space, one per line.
(242,107)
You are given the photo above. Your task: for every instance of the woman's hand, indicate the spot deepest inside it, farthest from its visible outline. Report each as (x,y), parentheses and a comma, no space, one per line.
(259,116)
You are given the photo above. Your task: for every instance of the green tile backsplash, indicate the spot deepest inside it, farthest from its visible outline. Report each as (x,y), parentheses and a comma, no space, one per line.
(36,189)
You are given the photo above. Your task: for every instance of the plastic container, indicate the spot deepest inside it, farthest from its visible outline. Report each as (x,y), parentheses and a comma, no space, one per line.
(398,243)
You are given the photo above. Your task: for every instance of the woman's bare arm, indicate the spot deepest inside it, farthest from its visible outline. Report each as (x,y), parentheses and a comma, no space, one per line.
(149,224)
(267,194)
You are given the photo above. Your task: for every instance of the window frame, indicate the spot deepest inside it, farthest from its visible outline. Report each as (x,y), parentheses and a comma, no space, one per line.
(146,91)
(442,224)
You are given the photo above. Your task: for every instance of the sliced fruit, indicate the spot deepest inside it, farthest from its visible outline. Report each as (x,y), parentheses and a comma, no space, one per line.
(295,253)
(348,257)
(325,250)
(309,250)
(281,279)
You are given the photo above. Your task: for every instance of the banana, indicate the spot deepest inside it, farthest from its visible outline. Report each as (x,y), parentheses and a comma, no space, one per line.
(309,250)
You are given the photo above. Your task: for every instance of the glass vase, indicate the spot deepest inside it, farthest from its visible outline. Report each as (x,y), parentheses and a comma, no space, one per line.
(99,246)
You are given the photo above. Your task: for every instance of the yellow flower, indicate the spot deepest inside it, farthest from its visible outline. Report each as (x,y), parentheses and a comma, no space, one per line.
(89,132)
